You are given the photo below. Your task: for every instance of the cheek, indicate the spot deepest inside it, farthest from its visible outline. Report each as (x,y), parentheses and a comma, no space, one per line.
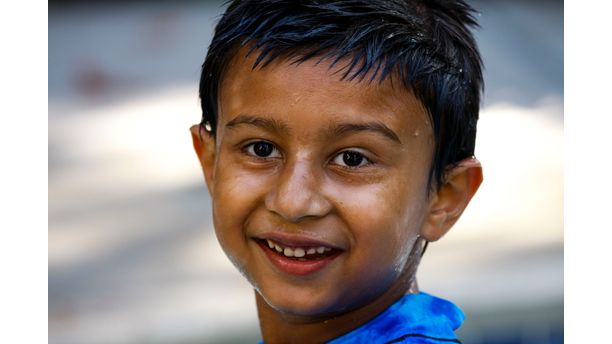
(384,223)
(384,211)
(235,197)
(236,190)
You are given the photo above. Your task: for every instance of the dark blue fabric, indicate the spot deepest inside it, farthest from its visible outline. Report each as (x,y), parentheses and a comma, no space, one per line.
(415,318)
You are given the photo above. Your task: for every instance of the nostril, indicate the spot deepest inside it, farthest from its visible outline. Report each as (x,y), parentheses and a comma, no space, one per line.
(297,206)
(297,194)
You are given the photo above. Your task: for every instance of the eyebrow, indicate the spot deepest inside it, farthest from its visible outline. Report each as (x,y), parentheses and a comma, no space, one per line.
(376,127)
(260,122)
(335,130)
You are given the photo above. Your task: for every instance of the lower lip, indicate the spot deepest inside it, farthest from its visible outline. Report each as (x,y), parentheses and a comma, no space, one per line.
(294,266)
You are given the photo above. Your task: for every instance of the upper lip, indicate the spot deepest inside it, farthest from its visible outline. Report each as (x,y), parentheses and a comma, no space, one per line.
(296,240)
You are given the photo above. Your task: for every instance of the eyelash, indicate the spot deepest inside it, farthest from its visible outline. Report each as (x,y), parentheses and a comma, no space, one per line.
(250,148)
(360,155)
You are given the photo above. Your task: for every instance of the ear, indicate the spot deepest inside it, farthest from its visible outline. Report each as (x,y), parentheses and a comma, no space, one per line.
(204,145)
(448,202)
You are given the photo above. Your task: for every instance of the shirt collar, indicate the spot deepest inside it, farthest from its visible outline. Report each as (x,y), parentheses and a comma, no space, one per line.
(414,315)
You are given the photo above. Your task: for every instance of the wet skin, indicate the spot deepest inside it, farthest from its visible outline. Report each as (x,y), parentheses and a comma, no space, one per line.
(303,158)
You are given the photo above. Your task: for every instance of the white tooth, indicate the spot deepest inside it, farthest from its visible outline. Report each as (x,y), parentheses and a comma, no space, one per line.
(288,252)
(271,244)
(299,252)
(320,249)
(278,248)
(327,249)
(311,250)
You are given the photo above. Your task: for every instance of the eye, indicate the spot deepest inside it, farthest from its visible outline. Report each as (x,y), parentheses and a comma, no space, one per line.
(351,158)
(262,149)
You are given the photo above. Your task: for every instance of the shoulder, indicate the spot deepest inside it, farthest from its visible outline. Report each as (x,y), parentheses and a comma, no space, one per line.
(407,338)
(413,338)
(415,319)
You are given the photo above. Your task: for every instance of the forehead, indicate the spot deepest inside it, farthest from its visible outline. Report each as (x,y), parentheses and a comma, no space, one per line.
(314,87)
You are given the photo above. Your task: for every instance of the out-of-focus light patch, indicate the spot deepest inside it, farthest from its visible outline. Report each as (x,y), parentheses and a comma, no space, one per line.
(521,198)
(143,143)
(110,154)
(205,253)
(79,242)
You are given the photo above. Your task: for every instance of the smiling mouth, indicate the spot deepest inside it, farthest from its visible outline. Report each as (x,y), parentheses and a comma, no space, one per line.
(299,253)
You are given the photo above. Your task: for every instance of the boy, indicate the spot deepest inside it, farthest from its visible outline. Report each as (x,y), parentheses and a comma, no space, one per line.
(337,140)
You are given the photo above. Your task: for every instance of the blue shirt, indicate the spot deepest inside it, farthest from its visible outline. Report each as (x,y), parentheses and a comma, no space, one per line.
(414,319)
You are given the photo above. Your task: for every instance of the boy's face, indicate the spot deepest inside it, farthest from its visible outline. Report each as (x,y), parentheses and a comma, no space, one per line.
(307,162)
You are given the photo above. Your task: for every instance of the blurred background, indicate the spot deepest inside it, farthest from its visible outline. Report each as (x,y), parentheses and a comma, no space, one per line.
(132,253)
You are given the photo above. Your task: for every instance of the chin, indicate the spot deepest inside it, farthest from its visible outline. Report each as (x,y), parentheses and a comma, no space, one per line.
(300,304)
(305,303)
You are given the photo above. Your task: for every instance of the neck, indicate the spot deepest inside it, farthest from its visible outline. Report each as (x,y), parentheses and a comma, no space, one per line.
(277,327)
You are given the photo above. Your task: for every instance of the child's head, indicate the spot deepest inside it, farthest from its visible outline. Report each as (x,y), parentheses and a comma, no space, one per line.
(337,137)
(426,45)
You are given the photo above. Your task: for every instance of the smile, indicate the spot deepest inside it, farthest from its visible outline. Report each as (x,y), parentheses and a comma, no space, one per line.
(298,260)
(298,252)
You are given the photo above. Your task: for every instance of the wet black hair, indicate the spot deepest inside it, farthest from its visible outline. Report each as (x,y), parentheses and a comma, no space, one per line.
(427,44)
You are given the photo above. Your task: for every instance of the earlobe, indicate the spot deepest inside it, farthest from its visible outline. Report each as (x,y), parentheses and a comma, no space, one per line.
(204,146)
(450,200)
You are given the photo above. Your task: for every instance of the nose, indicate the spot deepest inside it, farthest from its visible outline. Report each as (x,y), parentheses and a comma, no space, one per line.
(298,194)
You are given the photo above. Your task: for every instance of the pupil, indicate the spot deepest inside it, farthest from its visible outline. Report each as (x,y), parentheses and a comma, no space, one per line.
(352,158)
(263,149)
